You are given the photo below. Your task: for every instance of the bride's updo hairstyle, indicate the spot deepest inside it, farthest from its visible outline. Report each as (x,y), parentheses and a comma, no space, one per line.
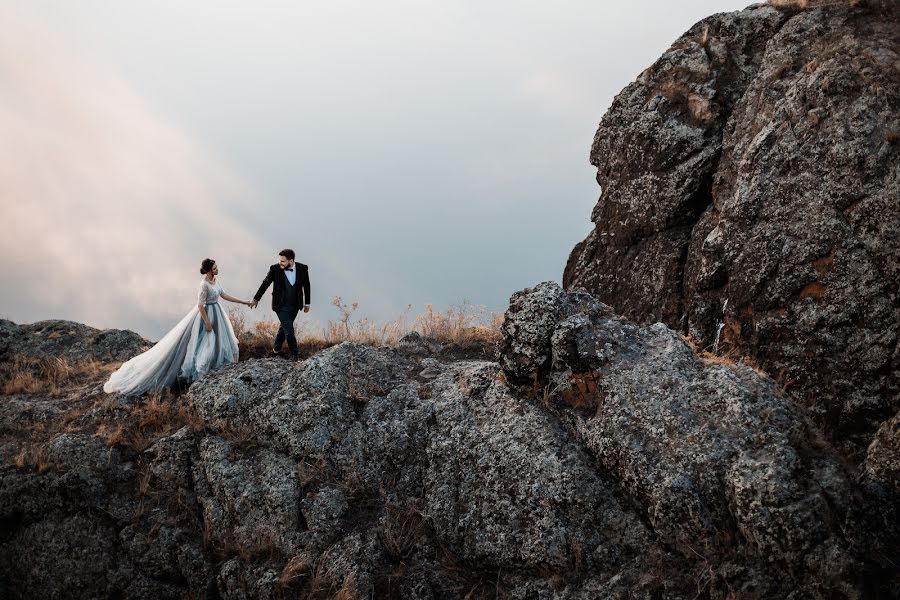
(206,266)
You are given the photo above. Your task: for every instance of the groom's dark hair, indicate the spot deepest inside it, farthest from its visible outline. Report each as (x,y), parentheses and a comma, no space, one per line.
(287,253)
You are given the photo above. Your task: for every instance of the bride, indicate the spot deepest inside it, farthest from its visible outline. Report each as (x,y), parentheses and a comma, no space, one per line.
(204,340)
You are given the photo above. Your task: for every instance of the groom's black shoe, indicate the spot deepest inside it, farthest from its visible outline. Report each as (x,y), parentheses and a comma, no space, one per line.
(275,353)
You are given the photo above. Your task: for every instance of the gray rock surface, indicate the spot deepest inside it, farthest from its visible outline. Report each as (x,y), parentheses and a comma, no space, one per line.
(597,459)
(714,453)
(594,457)
(65,339)
(750,181)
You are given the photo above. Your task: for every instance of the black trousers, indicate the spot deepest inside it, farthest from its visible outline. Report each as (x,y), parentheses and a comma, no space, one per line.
(286,317)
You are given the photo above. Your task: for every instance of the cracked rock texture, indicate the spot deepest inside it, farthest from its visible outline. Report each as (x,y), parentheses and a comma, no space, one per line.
(596,458)
(750,182)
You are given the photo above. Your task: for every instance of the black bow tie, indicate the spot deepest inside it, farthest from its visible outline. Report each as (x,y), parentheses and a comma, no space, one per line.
(288,269)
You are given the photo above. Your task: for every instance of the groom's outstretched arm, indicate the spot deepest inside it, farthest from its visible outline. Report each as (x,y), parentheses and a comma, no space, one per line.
(262,288)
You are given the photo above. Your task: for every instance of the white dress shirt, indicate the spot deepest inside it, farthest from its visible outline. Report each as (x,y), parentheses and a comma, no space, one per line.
(292,277)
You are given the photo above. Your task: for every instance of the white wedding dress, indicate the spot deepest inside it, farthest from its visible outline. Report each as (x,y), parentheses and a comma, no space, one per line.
(186,353)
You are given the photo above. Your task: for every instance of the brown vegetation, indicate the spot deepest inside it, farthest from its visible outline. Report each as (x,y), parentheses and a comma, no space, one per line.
(295,568)
(810,4)
(464,325)
(32,457)
(50,376)
(731,357)
(323,582)
(402,530)
(583,391)
(155,417)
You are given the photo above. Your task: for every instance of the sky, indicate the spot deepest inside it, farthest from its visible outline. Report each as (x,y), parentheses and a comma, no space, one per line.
(410,151)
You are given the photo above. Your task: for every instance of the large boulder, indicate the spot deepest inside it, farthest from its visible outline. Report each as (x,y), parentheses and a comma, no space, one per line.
(750,182)
(713,453)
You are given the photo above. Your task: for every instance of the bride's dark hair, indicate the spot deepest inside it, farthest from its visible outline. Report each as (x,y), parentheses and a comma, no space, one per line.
(206,266)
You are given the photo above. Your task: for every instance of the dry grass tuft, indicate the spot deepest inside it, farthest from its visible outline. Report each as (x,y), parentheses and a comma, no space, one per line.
(224,545)
(240,435)
(363,330)
(731,359)
(158,416)
(709,357)
(310,472)
(402,530)
(51,376)
(464,325)
(294,569)
(810,4)
(347,590)
(32,457)
(467,580)
(323,581)
(353,486)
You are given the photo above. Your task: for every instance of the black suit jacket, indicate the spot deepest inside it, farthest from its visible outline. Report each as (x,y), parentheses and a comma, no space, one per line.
(280,287)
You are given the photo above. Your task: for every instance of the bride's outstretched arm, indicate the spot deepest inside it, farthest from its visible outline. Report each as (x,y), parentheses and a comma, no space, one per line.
(235,300)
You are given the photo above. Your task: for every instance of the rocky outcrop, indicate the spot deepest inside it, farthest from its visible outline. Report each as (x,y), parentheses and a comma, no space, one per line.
(713,453)
(73,342)
(750,181)
(596,459)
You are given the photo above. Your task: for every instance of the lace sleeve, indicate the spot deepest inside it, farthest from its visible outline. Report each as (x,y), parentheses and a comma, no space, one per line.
(204,294)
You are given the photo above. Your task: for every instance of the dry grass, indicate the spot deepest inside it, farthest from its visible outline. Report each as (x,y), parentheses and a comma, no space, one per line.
(353,486)
(158,416)
(402,530)
(258,341)
(323,581)
(362,330)
(240,436)
(51,376)
(309,472)
(467,580)
(224,545)
(293,570)
(730,359)
(810,4)
(32,457)
(463,325)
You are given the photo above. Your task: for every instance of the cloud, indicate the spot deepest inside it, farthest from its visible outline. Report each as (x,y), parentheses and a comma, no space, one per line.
(107,208)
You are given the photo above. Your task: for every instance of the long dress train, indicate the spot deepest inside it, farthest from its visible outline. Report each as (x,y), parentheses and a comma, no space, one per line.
(186,353)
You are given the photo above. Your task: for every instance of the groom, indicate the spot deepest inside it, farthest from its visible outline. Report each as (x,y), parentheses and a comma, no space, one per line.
(290,294)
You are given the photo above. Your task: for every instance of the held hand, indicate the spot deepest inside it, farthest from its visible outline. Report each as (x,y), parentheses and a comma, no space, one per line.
(252,303)
(305,309)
